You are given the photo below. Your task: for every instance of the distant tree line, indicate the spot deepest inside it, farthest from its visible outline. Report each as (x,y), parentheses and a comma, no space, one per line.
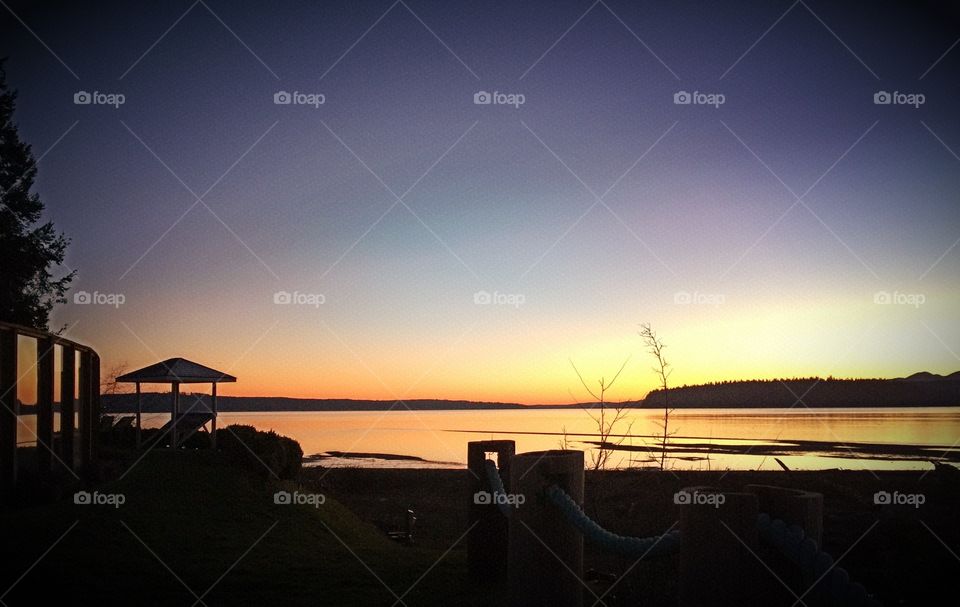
(812,392)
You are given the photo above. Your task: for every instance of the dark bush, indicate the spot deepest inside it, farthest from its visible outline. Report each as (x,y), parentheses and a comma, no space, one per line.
(257,451)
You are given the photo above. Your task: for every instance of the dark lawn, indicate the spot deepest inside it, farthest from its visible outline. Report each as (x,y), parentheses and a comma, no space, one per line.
(193,526)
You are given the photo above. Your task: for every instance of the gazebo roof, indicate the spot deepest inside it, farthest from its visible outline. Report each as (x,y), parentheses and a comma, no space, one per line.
(176,370)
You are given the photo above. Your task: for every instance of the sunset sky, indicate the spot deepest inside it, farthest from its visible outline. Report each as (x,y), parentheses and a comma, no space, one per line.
(761,238)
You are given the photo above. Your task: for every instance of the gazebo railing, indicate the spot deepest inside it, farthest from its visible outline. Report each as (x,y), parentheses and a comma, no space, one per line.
(78,456)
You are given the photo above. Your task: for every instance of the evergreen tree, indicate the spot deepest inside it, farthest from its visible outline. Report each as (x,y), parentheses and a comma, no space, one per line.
(28,250)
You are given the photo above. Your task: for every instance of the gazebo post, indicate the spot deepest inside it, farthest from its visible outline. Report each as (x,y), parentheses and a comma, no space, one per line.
(213,422)
(138,415)
(175,393)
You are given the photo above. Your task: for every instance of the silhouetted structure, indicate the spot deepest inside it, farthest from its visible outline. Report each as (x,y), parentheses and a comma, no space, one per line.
(176,371)
(79,392)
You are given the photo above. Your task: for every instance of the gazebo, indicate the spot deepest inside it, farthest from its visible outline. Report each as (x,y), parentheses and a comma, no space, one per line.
(176,371)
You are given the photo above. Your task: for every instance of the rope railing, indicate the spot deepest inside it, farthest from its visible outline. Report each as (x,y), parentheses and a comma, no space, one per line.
(547,490)
(816,566)
(632,547)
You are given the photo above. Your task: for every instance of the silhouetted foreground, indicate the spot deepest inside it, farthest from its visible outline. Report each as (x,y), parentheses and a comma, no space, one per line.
(192,524)
(901,560)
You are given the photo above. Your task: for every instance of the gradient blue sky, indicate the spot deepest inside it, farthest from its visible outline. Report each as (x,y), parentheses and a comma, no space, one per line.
(500,196)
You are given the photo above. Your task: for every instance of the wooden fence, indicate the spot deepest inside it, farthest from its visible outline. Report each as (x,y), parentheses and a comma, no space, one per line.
(73,447)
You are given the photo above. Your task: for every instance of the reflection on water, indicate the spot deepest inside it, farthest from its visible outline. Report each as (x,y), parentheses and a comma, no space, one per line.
(442,436)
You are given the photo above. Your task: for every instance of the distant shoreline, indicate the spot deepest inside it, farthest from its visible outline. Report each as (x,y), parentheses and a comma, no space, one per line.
(918,390)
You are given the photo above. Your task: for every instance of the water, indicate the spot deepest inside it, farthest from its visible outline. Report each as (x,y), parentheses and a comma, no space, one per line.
(440,437)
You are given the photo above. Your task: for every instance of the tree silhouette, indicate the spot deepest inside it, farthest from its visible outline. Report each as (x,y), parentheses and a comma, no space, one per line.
(29,249)
(656,346)
(607,418)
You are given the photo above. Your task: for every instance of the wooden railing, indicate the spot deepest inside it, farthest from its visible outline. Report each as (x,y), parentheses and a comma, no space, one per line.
(74,447)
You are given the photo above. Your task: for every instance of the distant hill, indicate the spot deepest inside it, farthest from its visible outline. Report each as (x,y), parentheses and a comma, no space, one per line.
(927,376)
(918,390)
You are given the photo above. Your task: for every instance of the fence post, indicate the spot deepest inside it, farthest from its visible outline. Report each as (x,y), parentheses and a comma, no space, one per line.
(45,397)
(793,507)
(83,423)
(68,386)
(488,528)
(90,365)
(718,532)
(545,554)
(9,409)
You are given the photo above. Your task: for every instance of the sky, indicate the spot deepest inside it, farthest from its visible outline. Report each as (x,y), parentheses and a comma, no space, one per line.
(388,235)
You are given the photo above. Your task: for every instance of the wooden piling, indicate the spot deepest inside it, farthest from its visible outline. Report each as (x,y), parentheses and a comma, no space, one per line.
(793,507)
(545,556)
(718,533)
(487,538)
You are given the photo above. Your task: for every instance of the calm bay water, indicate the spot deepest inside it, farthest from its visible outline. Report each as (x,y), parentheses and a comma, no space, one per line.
(441,436)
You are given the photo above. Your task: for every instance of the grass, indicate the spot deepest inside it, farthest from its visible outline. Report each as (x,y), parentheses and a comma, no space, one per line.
(201,521)
(193,526)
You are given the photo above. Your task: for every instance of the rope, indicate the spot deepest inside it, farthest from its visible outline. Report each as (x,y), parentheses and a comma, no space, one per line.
(816,567)
(633,547)
(496,487)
